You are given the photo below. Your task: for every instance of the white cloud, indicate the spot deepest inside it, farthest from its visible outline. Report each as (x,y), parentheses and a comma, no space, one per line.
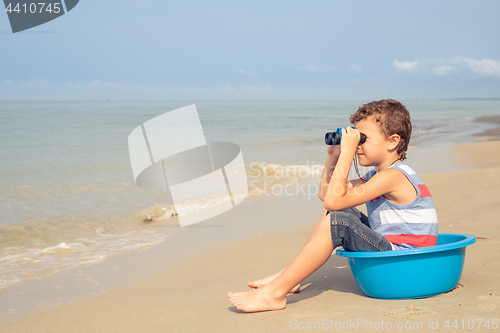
(33,83)
(405,65)
(356,68)
(312,68)
(243,72)
(454,66)
(442,70)
(484,67)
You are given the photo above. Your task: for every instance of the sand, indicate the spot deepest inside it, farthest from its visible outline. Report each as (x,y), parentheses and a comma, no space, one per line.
(493,133)
(191,297)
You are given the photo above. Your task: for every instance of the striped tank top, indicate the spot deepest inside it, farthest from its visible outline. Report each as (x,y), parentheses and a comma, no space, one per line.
(405,226)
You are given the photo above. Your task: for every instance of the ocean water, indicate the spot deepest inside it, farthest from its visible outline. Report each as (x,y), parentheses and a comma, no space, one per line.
(67,193)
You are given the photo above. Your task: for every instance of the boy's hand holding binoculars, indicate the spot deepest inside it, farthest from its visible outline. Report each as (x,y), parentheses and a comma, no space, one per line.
(343,139)
(350,140)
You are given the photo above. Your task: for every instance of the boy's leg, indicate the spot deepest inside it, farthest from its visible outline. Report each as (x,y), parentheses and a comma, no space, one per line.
(350,230)
(272,296)
(266,280)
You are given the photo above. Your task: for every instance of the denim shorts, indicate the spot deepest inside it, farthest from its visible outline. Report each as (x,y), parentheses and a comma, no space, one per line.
(350,229)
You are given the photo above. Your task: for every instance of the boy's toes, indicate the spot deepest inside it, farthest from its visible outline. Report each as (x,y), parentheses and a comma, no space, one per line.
(235,302)
(234,298)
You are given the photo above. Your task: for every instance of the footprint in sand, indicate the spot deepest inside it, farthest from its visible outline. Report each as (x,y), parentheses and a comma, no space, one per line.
(411,311)
(490,268)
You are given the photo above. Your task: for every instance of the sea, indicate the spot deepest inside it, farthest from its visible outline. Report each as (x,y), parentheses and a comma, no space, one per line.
(68,197)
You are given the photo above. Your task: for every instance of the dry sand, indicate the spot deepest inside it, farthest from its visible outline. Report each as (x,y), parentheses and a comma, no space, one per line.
(192,297)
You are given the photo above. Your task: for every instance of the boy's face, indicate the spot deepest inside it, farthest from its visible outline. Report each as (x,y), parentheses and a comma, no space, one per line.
(374,151)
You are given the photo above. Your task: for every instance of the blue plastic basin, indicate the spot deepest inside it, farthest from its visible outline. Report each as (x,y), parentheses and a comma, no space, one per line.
(415,273)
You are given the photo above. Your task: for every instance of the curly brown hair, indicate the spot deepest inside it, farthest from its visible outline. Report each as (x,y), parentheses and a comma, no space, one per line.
(392,117)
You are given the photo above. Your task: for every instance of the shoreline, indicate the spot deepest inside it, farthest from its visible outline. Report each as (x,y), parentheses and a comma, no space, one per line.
(492,134)
(87,282)
(54,291)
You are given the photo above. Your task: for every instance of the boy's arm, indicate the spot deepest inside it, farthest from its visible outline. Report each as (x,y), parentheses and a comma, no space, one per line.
(331,161)
(356,182)
(383,182)
(325,178)
(338,196)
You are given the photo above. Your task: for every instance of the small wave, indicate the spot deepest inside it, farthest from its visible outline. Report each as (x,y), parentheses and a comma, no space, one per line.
(280,171)
(271,179)
(27,191)
(264,179)
(261,177)
(275,143)
(38,248)
(156,213)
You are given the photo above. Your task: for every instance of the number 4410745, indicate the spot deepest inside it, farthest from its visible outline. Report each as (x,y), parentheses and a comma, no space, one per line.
(472,324)
(34,8)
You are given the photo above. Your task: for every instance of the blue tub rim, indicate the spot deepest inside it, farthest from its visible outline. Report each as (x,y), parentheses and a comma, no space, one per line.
(465,241)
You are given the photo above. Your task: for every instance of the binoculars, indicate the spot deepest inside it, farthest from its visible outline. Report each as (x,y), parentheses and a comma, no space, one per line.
(334,138)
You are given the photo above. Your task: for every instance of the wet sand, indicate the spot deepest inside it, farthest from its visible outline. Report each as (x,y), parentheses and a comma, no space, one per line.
(493,133)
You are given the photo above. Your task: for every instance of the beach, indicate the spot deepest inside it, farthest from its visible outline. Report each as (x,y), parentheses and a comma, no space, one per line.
(191,294)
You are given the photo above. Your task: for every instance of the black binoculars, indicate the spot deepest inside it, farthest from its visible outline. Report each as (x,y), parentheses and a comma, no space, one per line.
(334,138)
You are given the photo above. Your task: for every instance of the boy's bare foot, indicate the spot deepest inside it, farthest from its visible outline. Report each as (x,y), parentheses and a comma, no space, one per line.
(262,282)
(261,299)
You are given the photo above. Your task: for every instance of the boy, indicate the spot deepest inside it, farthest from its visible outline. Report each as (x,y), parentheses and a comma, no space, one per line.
(401,212)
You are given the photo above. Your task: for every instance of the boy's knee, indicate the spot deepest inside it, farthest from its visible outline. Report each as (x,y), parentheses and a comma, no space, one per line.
(353,211)
(345,215)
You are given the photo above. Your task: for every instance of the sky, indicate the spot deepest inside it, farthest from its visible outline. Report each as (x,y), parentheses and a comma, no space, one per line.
(256,50)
